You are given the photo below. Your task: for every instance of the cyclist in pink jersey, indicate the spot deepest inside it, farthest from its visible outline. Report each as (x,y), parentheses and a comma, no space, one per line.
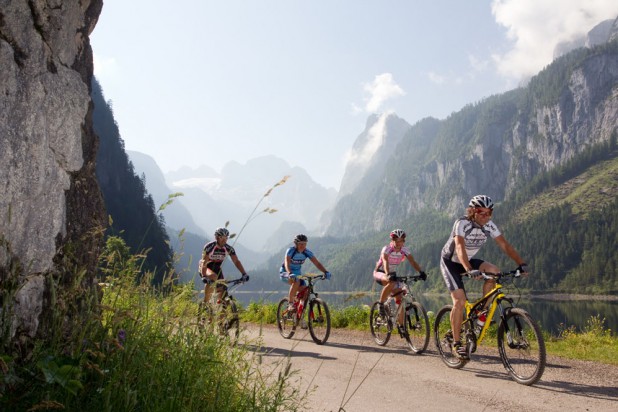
(391,256)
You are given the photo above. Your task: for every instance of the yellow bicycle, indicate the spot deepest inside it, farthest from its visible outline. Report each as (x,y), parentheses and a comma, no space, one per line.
(520,342)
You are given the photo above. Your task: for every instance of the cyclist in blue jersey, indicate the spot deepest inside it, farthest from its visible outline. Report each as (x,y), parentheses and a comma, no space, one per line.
(468,235)
(212,258)
(293,260)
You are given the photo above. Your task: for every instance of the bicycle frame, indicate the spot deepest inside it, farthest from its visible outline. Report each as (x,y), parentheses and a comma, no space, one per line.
(305,293)
(496,296)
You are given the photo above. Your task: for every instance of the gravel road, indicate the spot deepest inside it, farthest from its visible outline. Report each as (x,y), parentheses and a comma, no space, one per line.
(351,373)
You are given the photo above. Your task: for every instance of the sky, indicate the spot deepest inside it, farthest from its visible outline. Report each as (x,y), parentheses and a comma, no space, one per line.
(201,82)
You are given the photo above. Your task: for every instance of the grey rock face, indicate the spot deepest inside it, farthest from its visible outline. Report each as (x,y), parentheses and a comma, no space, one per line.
(49,197)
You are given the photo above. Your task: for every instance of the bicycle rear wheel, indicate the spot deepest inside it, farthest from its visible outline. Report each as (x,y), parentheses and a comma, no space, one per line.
(204,316)
(444,338)
(286,321)
(230,326)
(318,319)
(521,346)
(417,324)
(379,325)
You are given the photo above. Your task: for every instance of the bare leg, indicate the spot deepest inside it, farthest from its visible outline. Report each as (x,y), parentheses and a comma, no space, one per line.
(489,284)
(459,302)
(293,290)
(386,290)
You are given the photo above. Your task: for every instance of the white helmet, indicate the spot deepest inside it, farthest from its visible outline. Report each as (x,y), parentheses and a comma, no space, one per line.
(483,201)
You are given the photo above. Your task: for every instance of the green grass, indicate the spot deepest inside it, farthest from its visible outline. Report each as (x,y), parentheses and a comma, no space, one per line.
(142,351)
(594,343)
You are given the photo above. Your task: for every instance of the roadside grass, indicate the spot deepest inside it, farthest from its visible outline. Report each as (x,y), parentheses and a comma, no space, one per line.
(140,350)
(593,343)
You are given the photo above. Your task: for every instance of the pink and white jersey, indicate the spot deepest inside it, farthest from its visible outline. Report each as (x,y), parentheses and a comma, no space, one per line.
(395,257)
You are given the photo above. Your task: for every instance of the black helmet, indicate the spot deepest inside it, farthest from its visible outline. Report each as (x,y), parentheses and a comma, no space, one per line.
(483,201)
(222,232)
(300,238)
(398,233)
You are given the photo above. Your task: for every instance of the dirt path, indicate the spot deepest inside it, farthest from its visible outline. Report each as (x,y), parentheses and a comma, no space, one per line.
(352,372)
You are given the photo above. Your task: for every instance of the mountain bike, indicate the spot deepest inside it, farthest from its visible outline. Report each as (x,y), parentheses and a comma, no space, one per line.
(220,315)
(307,301)
(415,328)
(520,342)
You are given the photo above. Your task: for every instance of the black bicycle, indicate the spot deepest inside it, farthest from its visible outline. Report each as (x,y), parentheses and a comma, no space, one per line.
(415,326)
(307,301)
(220,315)
(520,341)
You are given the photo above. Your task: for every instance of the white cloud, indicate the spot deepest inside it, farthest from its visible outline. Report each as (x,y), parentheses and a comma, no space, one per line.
(537,26)
(375,138)
(436,78)
(477,64)
(104,66)
(380,90)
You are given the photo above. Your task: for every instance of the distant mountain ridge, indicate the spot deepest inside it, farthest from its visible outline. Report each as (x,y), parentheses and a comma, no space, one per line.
(493,146)
(211,199)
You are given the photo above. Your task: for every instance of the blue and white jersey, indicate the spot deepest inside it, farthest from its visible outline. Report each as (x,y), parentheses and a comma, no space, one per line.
(474,236)
(297,259)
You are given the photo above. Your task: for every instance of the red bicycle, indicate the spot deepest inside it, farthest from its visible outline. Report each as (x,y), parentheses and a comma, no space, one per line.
(307,302)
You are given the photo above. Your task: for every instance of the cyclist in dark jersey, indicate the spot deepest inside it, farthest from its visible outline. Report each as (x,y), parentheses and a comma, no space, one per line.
(468,235)
(290,269)
(212,258)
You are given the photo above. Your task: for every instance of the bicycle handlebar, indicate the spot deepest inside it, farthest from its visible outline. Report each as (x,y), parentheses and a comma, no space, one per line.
(310,276)
(414,278)
(491,276)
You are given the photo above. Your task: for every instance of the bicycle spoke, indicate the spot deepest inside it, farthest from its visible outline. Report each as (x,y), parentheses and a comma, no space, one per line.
(521,347)
(379,325)
(417,327)
(318,320)
(286,322)
(443,336)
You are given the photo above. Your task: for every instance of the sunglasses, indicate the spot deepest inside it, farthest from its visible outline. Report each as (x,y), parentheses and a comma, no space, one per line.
(484,214)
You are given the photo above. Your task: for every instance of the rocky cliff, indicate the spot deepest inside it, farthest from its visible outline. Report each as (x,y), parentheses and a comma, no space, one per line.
(50,203)
(494,146)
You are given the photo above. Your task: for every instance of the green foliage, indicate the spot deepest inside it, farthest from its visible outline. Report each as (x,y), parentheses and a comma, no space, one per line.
(141,350)
(131,208)
(593,343)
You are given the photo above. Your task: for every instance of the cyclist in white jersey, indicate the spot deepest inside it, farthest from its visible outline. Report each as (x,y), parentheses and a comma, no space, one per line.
(391,256)
(468,235)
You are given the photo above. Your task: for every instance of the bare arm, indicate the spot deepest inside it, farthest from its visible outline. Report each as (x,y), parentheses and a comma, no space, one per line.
(413,263)
(287,262)
(317,264)
(238,265)
(462,255)
(202,265)
(384,258)
(509,250)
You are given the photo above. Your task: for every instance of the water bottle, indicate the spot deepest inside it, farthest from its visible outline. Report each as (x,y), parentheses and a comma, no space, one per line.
(481,317)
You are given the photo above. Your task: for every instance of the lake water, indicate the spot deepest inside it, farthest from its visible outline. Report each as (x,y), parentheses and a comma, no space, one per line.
(552,315)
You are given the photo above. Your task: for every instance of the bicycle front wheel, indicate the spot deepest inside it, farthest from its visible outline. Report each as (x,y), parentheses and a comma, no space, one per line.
(521,346)
(417,324)
(379,325)
(318,319)
(443,335)
(286,321)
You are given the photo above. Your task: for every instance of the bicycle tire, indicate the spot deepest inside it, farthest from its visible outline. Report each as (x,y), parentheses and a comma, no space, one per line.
(380,328)
(318,320)
(443,336)
(286,322)
(204,316)
(521,347)
(231,324)
(417,328)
